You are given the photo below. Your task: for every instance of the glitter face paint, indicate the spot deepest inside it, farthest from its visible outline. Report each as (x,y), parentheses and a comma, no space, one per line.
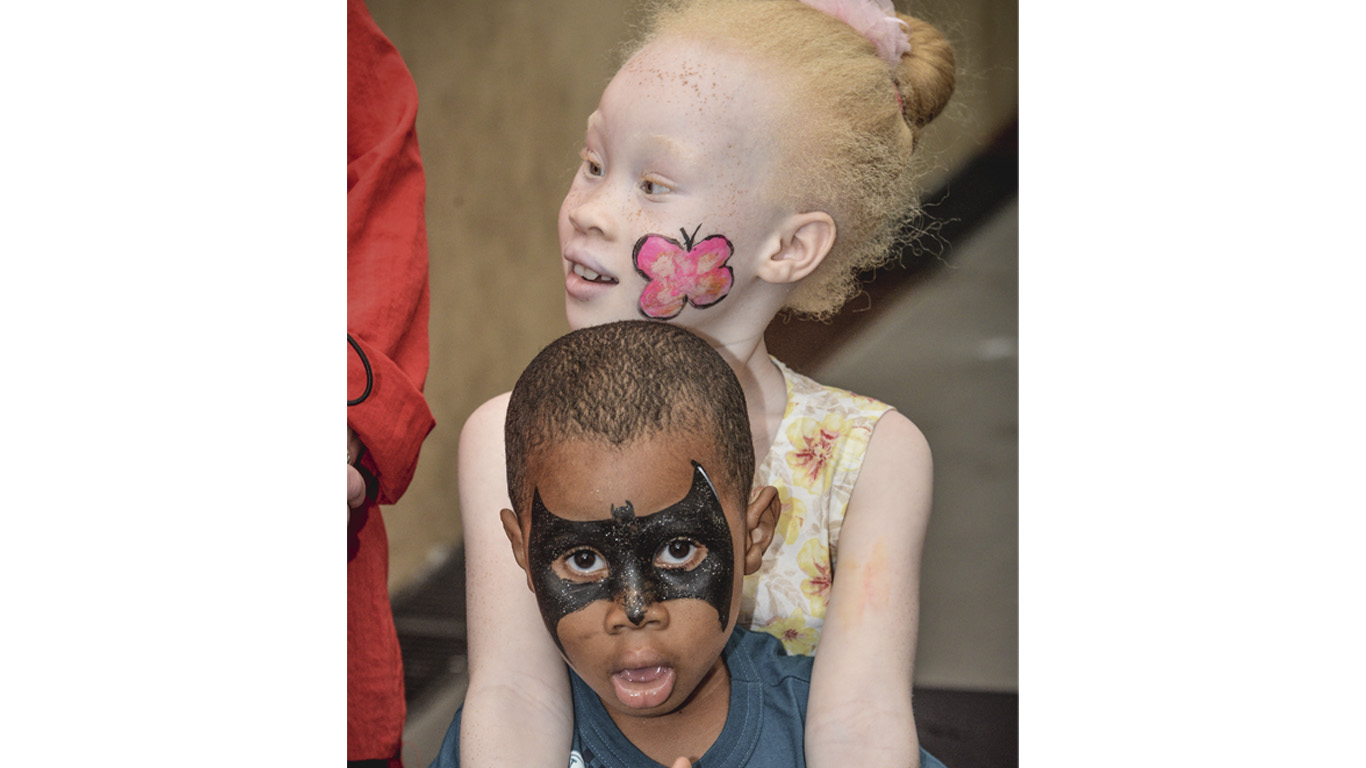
(678,274)
(631,546)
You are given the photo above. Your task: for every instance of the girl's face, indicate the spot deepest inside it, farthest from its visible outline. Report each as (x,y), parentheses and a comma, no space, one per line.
(669,214)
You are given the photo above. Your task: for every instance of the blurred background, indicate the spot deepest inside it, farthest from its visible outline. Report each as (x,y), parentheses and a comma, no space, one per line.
(504,90)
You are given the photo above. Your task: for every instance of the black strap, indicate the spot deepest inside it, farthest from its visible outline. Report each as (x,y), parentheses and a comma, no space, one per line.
(369,374)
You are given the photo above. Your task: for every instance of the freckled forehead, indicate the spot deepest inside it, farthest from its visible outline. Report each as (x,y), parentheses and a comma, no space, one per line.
(683,72)
(683,67)
(684,82)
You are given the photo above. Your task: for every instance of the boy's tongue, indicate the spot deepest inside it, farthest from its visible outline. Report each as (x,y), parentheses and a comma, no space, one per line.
(645,687)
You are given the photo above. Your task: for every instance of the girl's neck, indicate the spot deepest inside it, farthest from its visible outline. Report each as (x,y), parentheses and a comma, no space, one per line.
(764,386)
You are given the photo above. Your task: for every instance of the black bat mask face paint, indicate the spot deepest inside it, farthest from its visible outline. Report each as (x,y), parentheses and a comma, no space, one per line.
(631,547)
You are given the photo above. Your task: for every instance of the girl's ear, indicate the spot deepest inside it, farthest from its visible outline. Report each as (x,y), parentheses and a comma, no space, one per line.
(804,240)
(761,518)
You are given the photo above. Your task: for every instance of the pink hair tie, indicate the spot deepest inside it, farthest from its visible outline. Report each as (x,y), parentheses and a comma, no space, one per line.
(876,20)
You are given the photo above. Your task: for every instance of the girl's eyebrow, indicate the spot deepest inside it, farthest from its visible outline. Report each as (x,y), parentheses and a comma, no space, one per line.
(672,149)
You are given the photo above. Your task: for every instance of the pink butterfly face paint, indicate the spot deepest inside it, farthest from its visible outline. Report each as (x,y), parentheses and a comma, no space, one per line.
(678,274)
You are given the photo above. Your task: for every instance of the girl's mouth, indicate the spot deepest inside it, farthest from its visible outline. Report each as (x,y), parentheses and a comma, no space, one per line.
(590,275)
(644,687)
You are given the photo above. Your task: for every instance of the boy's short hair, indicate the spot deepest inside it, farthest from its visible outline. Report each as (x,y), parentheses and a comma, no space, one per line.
(623,382)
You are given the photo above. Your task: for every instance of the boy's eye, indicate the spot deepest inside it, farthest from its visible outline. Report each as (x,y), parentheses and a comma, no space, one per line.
(653,187)
(584,563)
(683,554)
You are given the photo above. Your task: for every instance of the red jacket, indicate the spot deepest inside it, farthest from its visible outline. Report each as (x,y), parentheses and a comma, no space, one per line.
(386,316)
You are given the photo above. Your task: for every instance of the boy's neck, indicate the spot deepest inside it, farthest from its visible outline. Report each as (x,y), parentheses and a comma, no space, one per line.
(688,731)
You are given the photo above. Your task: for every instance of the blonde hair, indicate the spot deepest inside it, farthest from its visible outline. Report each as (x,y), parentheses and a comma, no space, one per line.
(850,123)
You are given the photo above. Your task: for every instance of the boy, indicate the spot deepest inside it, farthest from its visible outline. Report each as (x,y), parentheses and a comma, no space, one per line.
(629,463)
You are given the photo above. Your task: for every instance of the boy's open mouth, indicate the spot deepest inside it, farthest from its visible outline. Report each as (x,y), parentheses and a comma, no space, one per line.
(644,687)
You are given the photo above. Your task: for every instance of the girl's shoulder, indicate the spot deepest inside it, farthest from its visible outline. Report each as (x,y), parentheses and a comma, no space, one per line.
(485,424)
(833,423)
(808,398)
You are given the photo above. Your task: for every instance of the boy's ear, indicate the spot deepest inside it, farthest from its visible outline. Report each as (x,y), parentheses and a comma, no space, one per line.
(513,529)
(761,518)
(804,240)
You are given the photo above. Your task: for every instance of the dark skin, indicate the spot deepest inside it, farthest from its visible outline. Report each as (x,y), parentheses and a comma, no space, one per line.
(677,642)
(677,552)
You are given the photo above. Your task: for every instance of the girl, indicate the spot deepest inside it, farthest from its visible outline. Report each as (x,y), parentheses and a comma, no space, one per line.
(751,156)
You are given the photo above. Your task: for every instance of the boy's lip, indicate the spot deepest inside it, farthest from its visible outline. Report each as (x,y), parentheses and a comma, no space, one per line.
(644,687)
(638,656)
(642,678)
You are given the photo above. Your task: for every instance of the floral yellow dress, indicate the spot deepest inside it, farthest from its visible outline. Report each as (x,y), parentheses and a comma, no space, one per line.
(814,463)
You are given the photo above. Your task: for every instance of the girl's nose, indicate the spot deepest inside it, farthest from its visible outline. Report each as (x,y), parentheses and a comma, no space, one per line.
(589,210)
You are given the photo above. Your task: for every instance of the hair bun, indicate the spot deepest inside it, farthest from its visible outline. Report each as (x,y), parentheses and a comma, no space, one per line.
(925,76)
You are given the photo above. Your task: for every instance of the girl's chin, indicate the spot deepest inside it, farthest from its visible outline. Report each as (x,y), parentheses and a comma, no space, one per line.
(583,315)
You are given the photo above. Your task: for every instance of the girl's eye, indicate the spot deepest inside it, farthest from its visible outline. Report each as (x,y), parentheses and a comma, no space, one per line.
(680,553)
(653,187)
(584,563)
(590,166)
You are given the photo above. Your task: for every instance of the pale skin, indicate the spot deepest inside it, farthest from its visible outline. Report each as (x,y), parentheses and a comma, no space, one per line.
(517,681)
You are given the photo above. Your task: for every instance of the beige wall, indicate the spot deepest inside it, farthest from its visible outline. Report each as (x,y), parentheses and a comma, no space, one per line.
(504,89)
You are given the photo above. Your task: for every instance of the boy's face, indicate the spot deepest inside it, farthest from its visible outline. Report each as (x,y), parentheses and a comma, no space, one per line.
(636,562)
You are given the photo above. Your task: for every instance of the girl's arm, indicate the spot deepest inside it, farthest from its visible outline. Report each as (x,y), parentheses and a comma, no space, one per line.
(859,711)
(517,708)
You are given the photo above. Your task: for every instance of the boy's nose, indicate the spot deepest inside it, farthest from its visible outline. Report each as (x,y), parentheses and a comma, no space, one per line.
(632,612)
(635,608)
(635,605)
